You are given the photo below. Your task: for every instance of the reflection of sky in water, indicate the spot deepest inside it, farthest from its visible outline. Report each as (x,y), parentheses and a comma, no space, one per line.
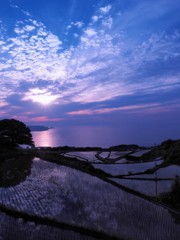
(77,198)
(151,188)
(80,136)
(11,228)
(99,136)
(170,171)
(84,156)
(122,169)
(46,138)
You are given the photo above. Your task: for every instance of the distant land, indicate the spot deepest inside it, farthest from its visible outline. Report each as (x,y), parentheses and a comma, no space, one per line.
(39,128)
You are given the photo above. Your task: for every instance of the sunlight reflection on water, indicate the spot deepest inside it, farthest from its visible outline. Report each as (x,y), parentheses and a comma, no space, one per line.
(93,136)
(46,138)
(77,136)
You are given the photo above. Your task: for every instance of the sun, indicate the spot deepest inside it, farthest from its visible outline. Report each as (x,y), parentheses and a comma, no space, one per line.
(41,96)
(44,99)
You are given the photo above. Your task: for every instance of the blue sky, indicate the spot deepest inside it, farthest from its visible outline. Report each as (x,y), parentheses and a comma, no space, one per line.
(114,63)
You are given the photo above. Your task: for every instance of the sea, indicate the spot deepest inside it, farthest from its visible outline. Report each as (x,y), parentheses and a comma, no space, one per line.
(92,136)
(79,136)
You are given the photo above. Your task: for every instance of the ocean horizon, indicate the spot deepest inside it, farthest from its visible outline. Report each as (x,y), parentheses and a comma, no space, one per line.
(93,136)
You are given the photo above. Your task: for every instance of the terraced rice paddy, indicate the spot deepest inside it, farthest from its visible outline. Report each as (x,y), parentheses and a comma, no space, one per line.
(12,228)
(124,169)
(147,187)
(86,156)
(147,184)
(139,153)
(77,199)
(170,171)
(115,154)
(104,154)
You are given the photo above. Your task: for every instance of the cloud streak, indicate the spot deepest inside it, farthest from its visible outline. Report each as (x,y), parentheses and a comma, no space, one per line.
(136,108)
(110,110)
(102,65)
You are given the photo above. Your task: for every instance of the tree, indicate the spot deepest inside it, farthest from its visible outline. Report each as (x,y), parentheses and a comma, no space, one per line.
(175,192)
(13,133)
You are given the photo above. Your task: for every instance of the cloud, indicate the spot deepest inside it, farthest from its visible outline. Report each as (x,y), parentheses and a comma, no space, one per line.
(45,119)
(3,103)
(146,14)
(99,93)
(157,47)
(42,96)
(26,13)
(37,119)
(110,110)
(6,91)
(78,24)
(103,64)
(106,9)
(90,32)
(136,108)
(35,56)
(14,6)
(95,18)
(76,35)
(107,22)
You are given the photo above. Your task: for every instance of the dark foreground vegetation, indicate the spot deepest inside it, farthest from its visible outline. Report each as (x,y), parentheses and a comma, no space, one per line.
(13,133)
(172,198)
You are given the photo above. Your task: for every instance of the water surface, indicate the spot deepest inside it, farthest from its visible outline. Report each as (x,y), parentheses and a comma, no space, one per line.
(83,136)
(77,136)
(76,198)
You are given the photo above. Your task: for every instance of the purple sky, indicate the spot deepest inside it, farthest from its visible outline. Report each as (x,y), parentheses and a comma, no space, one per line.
(95,63)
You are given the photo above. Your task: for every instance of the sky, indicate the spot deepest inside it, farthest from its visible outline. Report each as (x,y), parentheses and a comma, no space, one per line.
(95,63)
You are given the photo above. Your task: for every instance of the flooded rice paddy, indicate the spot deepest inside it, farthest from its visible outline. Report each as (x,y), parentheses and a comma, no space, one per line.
(77,199)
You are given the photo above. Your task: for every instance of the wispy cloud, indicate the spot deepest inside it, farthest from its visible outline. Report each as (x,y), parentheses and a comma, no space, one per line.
(103,65)
(110,110)
(37,119)
(106,9)
(3,103)
(136,108)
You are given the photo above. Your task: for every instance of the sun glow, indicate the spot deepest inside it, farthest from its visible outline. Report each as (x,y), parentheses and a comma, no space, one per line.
(44,99)
(41,96)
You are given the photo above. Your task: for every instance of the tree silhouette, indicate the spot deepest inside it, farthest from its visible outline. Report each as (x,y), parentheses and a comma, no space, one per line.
(13,133)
